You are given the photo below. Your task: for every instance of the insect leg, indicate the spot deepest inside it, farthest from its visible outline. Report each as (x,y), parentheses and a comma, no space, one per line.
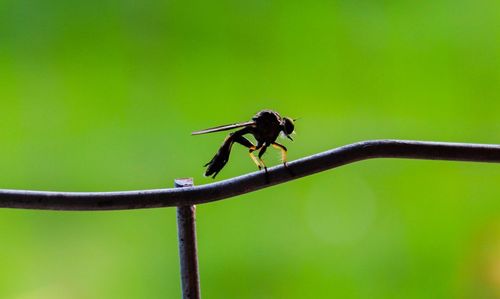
(222,156)
(283,151)
(254,159)
(261,152)
(283,156)
(245,142)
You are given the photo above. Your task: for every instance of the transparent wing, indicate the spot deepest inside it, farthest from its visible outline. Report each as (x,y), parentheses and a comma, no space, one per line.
(224,128)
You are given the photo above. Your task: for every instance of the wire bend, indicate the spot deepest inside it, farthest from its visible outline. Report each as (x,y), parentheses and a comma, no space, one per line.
(121,200)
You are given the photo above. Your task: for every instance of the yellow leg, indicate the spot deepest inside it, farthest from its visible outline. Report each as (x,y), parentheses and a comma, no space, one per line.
(254,159)
(283,152)
(283,157)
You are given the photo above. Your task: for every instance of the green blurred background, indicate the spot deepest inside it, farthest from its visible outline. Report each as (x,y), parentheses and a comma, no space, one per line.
(103,95)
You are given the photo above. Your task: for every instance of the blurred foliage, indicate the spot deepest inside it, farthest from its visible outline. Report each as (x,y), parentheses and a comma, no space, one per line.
(103,95)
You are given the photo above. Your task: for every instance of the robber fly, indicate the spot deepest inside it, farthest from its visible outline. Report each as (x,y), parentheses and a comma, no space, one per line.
(265,126)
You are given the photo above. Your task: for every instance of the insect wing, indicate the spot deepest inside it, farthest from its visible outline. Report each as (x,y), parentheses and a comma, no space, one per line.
(224,128)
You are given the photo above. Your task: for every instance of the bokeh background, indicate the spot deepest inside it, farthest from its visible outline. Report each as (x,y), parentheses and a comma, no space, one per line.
(102,95)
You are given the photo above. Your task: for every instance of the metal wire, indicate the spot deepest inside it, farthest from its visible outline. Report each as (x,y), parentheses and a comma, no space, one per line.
(22,199)
(188,248)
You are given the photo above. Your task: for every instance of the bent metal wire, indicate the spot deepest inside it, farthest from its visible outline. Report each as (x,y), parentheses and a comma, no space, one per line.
(406,149)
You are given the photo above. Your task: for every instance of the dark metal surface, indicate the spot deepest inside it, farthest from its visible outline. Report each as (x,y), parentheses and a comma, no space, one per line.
(188,253)
(250,182)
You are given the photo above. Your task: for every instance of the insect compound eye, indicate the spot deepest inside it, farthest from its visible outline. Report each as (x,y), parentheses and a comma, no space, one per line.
(288,125)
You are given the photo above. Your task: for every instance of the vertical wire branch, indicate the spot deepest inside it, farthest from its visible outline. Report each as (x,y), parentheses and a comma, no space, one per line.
(188,251)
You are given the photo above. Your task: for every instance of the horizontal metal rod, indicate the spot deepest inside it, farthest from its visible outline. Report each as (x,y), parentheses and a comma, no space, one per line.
(21,199)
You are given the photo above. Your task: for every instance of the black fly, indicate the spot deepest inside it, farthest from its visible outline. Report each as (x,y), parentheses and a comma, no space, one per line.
(265,126)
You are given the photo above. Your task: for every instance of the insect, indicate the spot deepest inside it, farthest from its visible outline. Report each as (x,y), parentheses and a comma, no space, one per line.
(265,126)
